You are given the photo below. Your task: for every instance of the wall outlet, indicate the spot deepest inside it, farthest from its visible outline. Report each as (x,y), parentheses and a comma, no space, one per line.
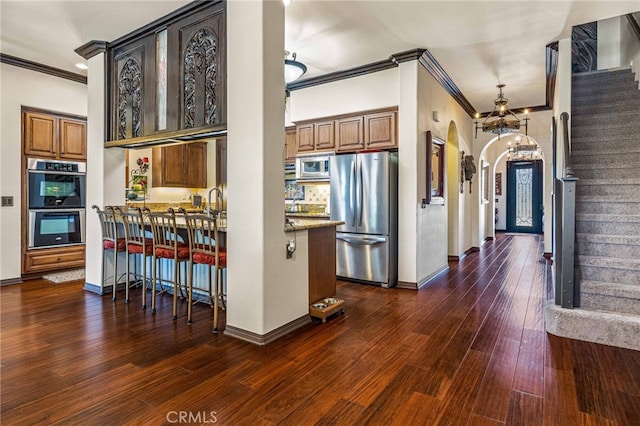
(7,201)
(291,248)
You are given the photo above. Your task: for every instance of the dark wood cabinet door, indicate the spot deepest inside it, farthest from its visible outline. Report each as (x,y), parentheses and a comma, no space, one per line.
(196,165)
(180,166)
(324,134)
(40,134)
(380,130)
(73,139)
(133,95)
(200,54)
(167,163)
(304,137)
(290,146)
(350,133)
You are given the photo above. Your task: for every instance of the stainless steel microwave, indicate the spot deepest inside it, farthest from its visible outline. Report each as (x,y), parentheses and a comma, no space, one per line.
(313,167)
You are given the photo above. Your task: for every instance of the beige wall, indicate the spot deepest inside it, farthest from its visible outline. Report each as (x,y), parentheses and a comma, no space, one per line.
(20,87)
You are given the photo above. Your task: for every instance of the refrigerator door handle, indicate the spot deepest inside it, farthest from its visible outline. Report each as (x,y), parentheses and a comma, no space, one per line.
(362,241)
(361,196)
(352,193)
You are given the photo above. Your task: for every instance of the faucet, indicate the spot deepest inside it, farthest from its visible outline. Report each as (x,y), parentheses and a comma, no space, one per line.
(218,196)
(293,205)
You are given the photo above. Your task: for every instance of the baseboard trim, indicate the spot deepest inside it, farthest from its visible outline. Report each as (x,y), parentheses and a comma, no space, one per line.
(93,288)
(407,284)
(11,281)
(264,339)
(426,281)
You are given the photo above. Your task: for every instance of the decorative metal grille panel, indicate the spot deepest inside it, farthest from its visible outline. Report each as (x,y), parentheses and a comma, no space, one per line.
(129,98)
(524,191)
(200,69)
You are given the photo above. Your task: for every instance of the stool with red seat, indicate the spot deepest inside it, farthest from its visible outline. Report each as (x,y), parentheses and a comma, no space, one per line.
(166,245)
(137,243)
(205,249)
(111,242)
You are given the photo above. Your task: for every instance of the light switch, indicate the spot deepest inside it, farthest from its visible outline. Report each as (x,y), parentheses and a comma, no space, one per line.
(7,201)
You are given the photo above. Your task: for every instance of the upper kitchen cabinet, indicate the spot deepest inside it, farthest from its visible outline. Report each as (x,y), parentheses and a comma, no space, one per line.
(169,78)
(290,146)
(375,130)
(350,133)
(53,135)
(380,130)
(316,136)
(180,166)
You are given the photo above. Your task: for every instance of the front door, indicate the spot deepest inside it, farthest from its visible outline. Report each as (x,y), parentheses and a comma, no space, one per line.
(524,196)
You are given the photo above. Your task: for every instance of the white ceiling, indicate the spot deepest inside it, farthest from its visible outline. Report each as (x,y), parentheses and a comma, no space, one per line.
(478,43)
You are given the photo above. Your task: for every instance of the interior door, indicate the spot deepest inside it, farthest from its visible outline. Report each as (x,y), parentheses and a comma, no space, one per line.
(524,196)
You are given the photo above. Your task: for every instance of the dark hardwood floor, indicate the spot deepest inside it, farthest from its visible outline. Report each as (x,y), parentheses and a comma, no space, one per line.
(470,349)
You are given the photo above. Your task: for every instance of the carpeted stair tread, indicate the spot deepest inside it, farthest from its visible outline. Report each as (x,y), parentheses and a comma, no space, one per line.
(611,158)
(602,97)
(600,165)
(618,106)
(622,146)
(611,121)
(612,289)
(611,297)
(605,134)
(607,208)
(594,325)
(609,239)
(626,218)
(605,181)
(603,75)
(609,173)
(610,262)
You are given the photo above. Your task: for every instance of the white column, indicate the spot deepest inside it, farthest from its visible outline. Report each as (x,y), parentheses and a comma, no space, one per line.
(105,171)
(407,170)
(265,290)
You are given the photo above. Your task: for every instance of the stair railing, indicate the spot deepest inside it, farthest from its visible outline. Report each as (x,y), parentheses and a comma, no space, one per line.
(566,291)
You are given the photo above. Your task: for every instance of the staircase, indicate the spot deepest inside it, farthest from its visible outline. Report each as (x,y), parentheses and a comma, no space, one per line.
(605,140)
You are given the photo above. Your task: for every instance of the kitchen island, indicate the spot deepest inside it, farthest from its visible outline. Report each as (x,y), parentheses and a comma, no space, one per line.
(321,252)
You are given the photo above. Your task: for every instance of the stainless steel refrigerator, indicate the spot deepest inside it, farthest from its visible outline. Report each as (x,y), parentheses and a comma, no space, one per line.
(364,195)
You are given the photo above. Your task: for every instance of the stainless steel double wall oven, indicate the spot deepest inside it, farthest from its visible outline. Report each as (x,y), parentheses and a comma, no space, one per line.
(56,202)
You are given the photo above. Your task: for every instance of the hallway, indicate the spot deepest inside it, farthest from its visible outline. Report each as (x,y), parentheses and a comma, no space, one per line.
(468,349)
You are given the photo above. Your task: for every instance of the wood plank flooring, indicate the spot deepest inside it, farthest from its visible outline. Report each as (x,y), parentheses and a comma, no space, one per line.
(469,349)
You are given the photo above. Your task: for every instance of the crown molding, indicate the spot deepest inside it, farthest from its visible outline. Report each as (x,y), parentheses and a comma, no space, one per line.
(433,67)
(45,69)
(370,68)
(92,48)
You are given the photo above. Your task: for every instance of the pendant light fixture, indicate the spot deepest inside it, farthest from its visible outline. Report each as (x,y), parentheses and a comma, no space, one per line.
(501,120)
(293,69)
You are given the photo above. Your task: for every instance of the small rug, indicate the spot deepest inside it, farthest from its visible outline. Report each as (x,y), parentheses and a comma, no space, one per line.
(64,276)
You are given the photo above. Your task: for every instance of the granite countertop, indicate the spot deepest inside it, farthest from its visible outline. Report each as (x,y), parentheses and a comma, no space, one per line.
(308,215)
(300,224)
(162,207)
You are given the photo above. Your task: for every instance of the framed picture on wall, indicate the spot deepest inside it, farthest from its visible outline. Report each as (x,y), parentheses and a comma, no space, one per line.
(435,170)
(498,183)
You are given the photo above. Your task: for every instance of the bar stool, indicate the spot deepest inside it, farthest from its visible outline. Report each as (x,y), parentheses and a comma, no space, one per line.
(137,243)
(111,242)
(166,245)
(204,249)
